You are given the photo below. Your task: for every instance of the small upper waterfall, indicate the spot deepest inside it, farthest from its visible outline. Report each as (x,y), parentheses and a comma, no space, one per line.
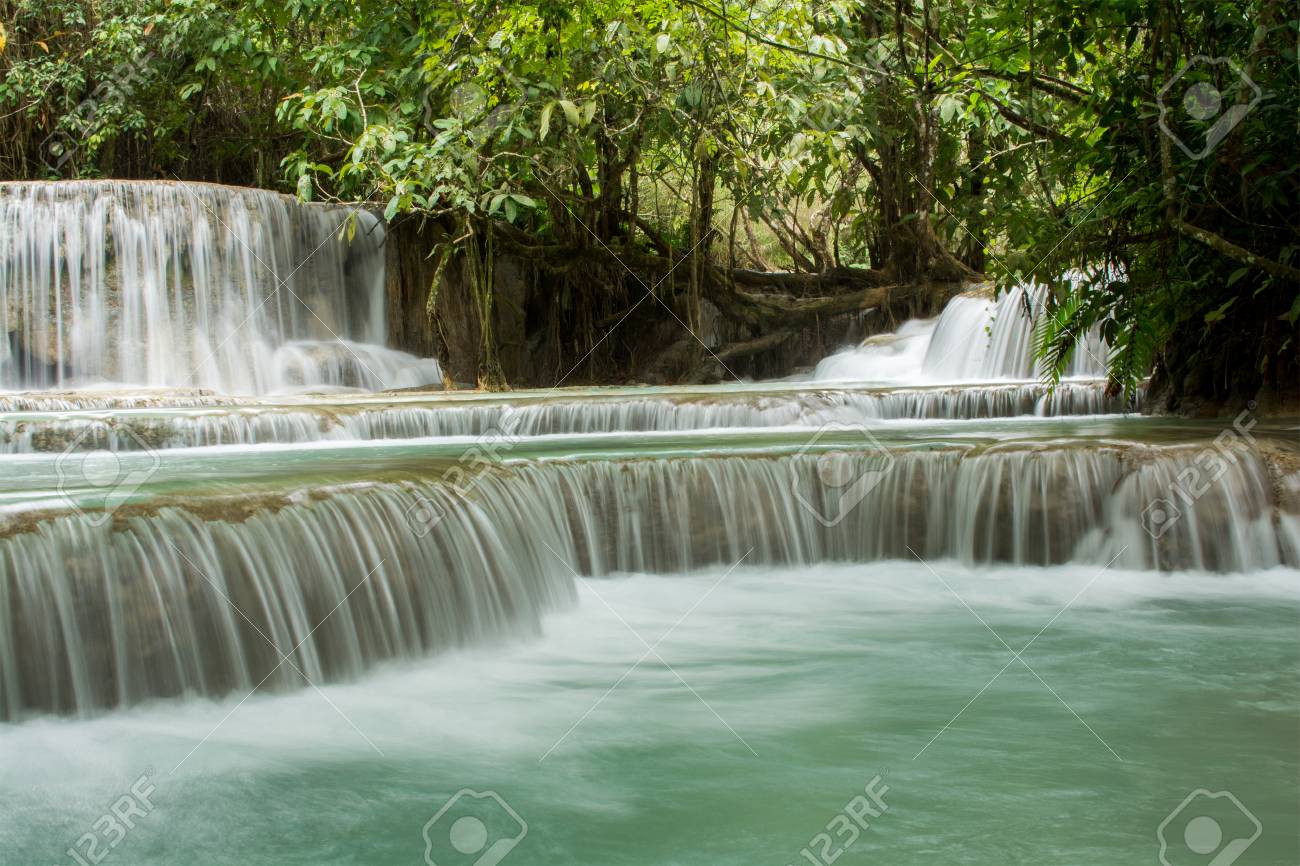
(975,338)
(191,285)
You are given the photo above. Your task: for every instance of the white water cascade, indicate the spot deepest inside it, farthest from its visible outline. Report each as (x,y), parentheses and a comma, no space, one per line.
(975,338)
(175,519)
(58,425)
(191,285)
(200,596)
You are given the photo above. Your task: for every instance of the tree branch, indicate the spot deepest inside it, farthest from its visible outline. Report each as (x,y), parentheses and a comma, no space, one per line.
(1218,243)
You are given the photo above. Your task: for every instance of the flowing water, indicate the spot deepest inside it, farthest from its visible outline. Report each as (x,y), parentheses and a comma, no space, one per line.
(186,284)
(42,423)
(830,674)
(917,609)
(974,338)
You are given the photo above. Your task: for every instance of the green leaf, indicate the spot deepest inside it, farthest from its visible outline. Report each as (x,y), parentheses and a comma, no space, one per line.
(545,126)
(948,109)
(570,111)
(1217,315)
(662,41)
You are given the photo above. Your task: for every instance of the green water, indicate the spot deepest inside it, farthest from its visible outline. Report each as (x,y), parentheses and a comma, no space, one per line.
(37,480)
(799,687)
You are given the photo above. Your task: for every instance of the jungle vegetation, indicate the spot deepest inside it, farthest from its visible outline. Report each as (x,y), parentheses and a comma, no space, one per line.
(757,150)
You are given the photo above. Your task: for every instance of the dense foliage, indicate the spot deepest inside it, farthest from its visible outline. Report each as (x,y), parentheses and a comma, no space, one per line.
(1150,145)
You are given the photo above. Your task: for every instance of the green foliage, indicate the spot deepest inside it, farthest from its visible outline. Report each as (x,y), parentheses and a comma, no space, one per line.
(926,140)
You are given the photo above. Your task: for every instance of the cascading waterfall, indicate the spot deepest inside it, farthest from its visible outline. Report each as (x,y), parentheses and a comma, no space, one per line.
(175,604)
(201,598)
(188,284)
(322,540)
(975,338)
(254,424)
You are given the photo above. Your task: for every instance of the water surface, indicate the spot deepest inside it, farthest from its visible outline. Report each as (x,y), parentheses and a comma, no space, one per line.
(799,687)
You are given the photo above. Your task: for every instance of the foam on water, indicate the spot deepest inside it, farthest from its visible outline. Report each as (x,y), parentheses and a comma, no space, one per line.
(672,625)
(829,674)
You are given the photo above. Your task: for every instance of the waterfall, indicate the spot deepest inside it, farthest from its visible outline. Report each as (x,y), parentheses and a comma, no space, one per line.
(175,604)
(189,284)
(195,596)
(165,539)
(31,423)
(975,338)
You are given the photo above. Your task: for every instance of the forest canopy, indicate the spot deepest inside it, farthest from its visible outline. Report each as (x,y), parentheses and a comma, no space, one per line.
(1147,148)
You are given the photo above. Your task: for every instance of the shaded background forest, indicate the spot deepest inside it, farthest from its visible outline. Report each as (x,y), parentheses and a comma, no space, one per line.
(601,191)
